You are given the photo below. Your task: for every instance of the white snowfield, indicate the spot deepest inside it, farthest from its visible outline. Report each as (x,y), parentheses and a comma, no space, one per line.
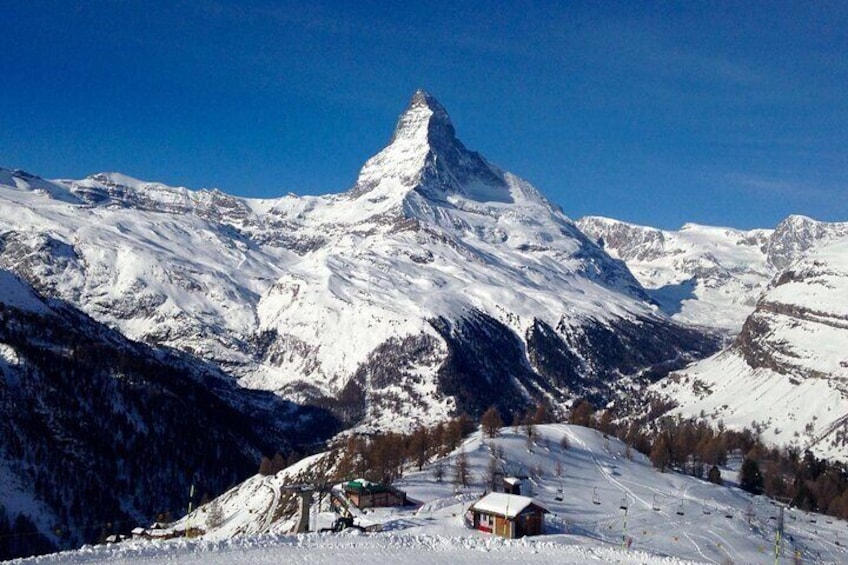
(798,341)
(174,279)
(670,518)
(710,276)
(353,547)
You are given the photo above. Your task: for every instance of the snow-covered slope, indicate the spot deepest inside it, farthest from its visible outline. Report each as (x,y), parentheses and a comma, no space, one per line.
(788,368)
(330,549)
(437,283)
(709,276)
(669,516)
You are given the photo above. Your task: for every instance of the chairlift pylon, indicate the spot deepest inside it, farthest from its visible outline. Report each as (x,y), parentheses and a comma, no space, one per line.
(681,511)
(595,498)
(656,504)
(623,504)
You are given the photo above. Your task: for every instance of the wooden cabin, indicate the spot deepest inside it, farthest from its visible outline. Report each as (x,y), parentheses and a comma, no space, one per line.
(512,485)
(365,494)
(508,515)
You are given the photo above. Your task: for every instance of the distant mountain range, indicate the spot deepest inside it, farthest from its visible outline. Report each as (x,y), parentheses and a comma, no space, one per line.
(781,294)
(786,373)
(708,276)
(437,284)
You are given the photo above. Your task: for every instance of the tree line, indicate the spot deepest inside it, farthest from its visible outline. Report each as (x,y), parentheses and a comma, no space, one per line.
(692,446)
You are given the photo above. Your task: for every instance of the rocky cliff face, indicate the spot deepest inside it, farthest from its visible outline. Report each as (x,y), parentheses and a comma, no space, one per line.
(796,235)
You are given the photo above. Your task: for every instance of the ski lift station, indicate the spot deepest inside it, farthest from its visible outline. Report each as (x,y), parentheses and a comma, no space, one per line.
(508,515)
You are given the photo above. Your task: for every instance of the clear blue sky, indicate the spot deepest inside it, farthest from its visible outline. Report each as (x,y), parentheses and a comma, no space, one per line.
(727,113)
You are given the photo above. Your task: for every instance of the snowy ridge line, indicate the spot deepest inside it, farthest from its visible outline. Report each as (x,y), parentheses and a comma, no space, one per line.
(710,276)
(799,313)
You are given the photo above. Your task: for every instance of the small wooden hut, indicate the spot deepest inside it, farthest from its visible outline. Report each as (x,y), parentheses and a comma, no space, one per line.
(508,515)
(365,494)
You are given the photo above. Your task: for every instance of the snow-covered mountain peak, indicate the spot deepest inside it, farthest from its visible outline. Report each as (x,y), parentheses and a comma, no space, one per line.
(437,270)
(119,186)
(425,118)
(797,234)
(425,156)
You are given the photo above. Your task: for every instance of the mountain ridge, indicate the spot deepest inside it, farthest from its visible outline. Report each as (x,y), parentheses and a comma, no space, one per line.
(706,275)
(432,245)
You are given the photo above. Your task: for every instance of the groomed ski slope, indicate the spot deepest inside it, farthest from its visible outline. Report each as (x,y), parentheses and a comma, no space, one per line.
(351,548)
(718,524)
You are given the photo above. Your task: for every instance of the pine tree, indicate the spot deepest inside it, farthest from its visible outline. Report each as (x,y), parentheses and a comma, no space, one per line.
(491,422)
(278,463)
(605,424)
(750,478)
(265,467)
(214,514)
(541,415)
(439,471)
(419,446)
(461,473)
(583,414)
(714,475)
(493,472)
(660,453)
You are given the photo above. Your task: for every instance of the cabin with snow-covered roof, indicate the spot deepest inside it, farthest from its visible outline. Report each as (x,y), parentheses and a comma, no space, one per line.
(512,485)
(365,494)
(508,515)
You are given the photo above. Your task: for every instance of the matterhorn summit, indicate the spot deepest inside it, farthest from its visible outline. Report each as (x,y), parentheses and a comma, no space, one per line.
(424,155)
